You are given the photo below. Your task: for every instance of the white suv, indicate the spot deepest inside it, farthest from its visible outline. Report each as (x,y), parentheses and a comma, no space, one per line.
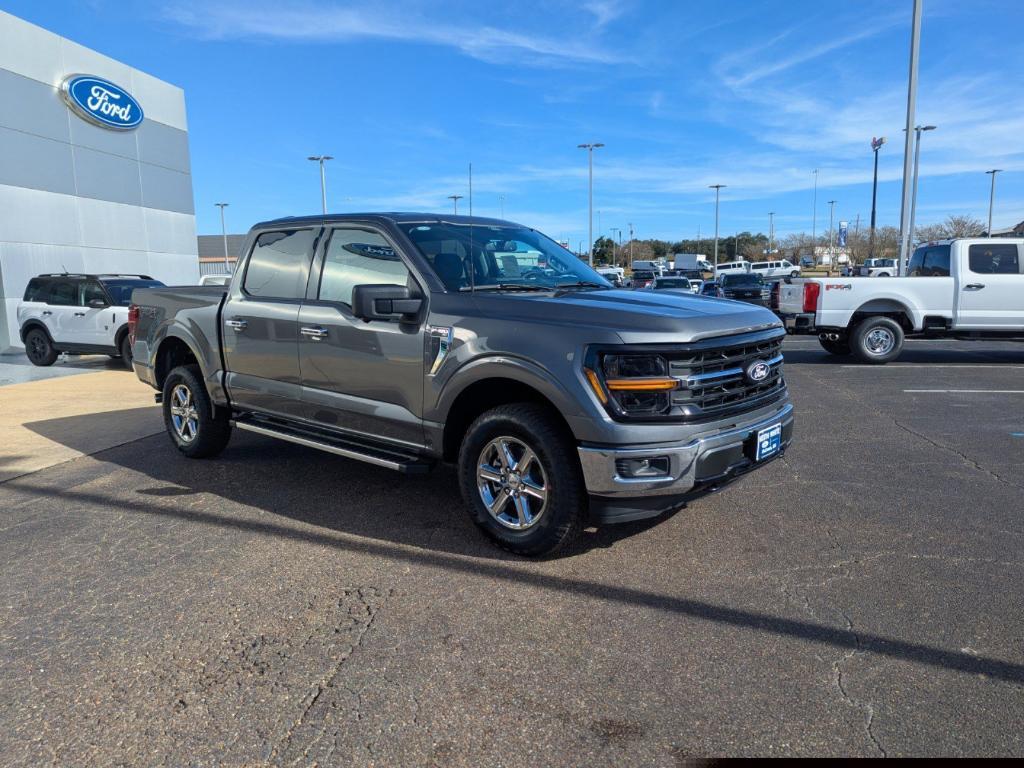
(79,314)
(782,268)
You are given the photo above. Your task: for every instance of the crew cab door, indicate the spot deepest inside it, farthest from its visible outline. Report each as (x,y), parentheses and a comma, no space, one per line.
(990,287)
(93,325)
(260,323)
(360,376)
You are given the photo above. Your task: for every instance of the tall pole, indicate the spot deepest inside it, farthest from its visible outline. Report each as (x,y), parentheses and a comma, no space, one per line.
(718,189)
(590,205)
(917,164)
(771,233)
(630,225)
(619,231)
(470,189)
(814,216)
(992,198)
(224,234)
(831,232)
(876,144)
(501,202)
(455,202)
(915,53)
(323,178)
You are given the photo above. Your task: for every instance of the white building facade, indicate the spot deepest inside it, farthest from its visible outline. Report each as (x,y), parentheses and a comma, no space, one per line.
(82,189)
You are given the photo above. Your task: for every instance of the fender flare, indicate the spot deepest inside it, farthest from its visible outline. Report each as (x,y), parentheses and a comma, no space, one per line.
(190,343)
(28,325)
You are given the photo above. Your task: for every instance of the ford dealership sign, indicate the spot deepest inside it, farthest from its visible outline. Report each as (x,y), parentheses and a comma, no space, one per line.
(101,102)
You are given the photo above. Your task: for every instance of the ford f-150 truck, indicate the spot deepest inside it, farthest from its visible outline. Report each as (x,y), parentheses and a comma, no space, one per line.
(965,289)
(405,340)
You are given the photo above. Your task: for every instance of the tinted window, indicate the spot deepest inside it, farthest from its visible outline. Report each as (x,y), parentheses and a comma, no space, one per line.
(63,293)
(759,266)
(936,261)
(278,264)
(37,290)
(994,259)
(357,257)
(744,280)
(916,265)
(89,290)
(672,282)
(121,290)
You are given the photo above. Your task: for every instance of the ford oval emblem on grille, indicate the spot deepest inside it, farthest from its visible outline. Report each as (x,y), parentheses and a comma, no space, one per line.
(758,371)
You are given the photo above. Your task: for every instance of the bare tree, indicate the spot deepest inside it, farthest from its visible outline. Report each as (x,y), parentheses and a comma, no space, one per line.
(953,226)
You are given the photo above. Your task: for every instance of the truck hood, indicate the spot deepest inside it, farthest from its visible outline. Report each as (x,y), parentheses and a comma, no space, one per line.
(638,317)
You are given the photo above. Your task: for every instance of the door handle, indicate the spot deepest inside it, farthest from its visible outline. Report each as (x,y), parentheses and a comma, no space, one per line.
(236,325)
(47,312)
(974,286)
(79,314)
(313,333)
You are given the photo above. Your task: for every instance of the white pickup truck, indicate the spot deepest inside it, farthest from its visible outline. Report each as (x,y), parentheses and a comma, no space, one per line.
(877,268)
(964,289)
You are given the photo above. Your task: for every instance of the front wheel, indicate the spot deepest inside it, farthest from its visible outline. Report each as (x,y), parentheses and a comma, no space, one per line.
(794,273)
(521,479)
(39,348)
(197,428)
(877,340)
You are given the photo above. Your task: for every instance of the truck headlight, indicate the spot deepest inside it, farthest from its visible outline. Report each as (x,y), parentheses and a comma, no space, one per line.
(636,385)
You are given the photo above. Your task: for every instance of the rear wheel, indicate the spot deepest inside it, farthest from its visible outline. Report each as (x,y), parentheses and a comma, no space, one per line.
(521,479)
(841,348)
(877,340)
(126,352)
(39,348)
(197,428)
(794,273)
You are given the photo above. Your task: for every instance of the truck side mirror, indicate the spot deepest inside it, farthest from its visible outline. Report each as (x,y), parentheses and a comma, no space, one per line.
(97,303)
(384,302)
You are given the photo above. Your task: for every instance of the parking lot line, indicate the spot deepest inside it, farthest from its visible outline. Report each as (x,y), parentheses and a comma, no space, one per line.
(929,366)
(969,391)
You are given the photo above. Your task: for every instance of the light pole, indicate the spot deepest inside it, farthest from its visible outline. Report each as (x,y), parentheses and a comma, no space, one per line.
(455,202)
(771,232)
(618,232)
(590,207)
(224,234)
(831,233)
(917,162)
(814,217)
(323,178)
(876,144)
(501,202)
(630,225)
(915,51)
(992,198)
(718,188)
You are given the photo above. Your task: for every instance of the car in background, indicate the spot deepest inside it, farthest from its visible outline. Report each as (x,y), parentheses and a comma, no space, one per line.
(748,287)
(732,268)
(78,314)
(711,288)
(781,268)
(614,275)
(215,279)
(642,278)
(806,262)
(674,284)
(877,268)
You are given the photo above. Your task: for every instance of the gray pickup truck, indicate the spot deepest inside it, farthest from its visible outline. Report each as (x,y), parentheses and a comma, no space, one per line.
(409,339)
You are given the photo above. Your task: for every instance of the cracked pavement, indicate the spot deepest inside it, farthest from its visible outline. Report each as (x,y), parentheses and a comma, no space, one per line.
(279,606)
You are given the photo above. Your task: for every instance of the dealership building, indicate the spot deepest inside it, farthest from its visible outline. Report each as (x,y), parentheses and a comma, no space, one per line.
(95,174)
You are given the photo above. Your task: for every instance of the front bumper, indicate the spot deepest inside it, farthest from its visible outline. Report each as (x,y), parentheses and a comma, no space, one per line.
(696,466)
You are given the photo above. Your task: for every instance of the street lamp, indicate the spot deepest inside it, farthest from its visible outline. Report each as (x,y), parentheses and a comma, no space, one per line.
(992,198)
(876,144)
(831,238)
(814,216)
(630,225)
(618,232)
(718,188)
(224,234)
(455,202)
(501,202)
(917,162)
(903,257)
(771,232)
(323,178)
(590,165)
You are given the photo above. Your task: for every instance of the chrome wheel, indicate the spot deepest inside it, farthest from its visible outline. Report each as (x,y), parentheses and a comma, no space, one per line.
(880,341)
(184,415)
(512,483)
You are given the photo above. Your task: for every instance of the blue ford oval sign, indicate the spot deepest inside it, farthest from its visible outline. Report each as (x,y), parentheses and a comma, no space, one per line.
(101,102)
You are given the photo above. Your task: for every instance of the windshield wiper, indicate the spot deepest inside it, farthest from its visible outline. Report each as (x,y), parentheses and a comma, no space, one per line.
(582,284)
(506,287)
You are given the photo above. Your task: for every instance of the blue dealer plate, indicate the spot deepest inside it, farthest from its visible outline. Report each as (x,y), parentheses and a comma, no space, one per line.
(768,442)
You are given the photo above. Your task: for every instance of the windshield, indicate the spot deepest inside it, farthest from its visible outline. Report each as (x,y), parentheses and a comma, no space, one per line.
(121,290)
(672,282)
(744,280)
(499,258)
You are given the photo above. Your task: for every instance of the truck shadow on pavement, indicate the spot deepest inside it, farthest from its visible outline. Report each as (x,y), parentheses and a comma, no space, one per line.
(917,355)
(361,510)
(309,486)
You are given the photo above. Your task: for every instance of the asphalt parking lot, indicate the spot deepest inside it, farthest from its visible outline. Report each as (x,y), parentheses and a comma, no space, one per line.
(862,596)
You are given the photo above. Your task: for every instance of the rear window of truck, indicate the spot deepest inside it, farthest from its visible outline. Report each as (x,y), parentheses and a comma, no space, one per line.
(994,259)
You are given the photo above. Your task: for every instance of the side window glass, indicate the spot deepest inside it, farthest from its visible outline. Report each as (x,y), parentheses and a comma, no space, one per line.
(278,265)
(89,290)
(63,293)
(37,290)
(916,263)
(358,257)
(994,259)
(936,261)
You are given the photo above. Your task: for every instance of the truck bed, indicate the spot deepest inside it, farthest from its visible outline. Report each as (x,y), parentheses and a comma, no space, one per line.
(841,297)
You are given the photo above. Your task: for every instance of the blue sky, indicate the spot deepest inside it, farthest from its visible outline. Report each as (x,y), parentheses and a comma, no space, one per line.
(684,94)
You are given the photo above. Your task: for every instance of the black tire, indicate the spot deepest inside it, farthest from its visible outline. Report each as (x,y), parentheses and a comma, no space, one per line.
(877,340)
(206,429)
(841,348)
(39,348)
(126,352)
(882,274)
(560,516)
(794,273)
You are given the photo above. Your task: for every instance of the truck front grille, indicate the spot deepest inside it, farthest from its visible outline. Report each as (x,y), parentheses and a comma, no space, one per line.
(714,381)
